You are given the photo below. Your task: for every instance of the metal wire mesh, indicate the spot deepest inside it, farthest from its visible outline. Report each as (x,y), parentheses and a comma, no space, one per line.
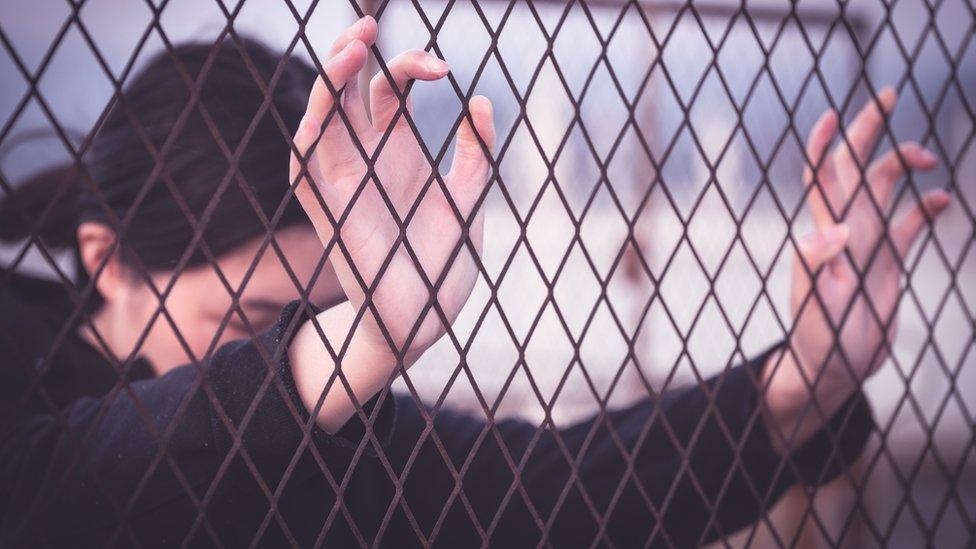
(642,211)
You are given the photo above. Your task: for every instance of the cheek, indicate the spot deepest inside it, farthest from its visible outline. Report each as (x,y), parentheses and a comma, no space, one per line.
(325,291)
(303,251)
(196,314)
(198,332)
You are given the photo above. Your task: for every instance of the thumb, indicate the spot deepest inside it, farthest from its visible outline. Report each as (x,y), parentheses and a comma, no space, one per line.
(469,171)
(303,169)
(814,251)
(823,246)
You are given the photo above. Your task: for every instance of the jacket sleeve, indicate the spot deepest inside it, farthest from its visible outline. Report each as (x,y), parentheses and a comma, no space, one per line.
(693,466)
(155,457)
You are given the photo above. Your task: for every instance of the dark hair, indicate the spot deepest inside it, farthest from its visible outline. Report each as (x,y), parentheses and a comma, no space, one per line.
(120,164)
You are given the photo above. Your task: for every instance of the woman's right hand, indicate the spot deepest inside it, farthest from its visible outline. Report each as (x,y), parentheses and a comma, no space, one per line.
(335,152)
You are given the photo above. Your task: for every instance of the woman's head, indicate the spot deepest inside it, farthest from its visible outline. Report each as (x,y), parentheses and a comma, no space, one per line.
(157,195)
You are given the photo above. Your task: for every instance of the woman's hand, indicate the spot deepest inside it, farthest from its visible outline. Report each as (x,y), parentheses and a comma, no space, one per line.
(337,170)
(847,275)
(333,166)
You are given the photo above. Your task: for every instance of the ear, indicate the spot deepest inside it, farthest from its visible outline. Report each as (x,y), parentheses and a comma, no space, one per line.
(96,242)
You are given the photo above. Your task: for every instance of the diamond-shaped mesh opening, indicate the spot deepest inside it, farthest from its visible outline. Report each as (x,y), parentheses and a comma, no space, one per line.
(254,295)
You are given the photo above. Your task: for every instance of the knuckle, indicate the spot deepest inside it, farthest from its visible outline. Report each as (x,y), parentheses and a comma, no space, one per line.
(377,82)
(381,91)
(841,154)
(381,84)
(910,148)
(886,166)
(415,56)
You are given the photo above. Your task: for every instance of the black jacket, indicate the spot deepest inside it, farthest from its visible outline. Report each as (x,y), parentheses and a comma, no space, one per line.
(219,453)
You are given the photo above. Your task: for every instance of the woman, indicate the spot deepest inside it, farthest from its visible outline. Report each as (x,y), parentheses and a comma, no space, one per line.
(222,417)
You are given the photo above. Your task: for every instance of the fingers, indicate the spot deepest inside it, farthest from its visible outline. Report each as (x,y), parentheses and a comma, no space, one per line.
(889,169)
(821,175)
(824,245)
(863,132)
(910,225)
(346,58)
(814,251)
(403,68)
(469,170)
(364,30)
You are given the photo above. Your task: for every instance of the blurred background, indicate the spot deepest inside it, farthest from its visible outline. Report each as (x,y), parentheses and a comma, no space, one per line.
(652,153)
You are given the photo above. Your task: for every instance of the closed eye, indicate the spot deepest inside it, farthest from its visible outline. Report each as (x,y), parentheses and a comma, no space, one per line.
(261,314)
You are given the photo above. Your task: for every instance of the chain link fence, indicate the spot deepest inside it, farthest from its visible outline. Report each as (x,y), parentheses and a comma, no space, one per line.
(644,204)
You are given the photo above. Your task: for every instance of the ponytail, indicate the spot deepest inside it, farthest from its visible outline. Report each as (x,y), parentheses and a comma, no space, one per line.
(54,190)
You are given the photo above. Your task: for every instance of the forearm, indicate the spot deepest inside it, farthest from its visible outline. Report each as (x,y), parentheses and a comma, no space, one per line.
(701,454)
(366,366)
(54,492)
(796,406)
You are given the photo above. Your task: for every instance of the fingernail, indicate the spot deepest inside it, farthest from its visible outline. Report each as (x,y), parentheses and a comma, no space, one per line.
(437,65)
(836,234)
(937,201)
(928,156)
(888,97)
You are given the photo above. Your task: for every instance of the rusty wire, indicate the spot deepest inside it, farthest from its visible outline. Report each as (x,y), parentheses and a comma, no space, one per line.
(831,22)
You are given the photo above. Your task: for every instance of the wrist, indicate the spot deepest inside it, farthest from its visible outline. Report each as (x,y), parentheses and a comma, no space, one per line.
(331,388)
(797,401)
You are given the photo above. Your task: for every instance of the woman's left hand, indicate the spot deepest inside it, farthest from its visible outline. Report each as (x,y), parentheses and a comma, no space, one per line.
(847,275)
